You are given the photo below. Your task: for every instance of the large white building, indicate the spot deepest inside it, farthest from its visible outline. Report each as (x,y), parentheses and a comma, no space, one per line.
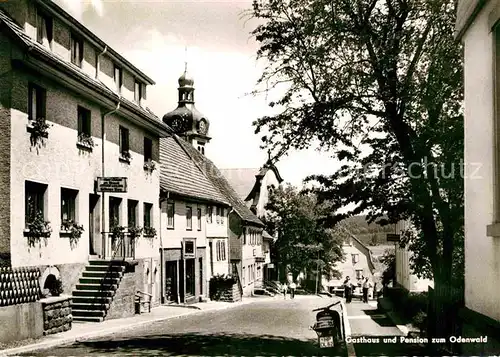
(478,28)
(72,110)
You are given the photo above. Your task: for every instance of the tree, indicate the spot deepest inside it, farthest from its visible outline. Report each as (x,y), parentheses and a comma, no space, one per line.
(378,84)
(303,242)
(389,273)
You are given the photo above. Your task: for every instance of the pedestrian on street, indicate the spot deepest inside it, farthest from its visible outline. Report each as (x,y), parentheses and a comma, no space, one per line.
(292,289)
(366,286)
(348,286)
(284,290)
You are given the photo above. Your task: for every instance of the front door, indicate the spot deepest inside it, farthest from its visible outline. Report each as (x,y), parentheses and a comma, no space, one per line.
(171,281)
(95,238)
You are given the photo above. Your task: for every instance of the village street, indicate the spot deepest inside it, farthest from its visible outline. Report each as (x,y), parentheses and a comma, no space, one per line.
(264,328)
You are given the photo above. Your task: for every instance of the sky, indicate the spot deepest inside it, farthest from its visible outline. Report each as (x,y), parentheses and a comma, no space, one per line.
(221,56)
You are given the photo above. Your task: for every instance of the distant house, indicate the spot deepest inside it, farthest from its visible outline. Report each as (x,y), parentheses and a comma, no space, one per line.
(358,263)
(253,185)
(478,28)
(404,274)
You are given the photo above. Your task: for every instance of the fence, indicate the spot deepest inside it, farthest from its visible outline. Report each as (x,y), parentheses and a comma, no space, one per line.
(442,316)
(18,286)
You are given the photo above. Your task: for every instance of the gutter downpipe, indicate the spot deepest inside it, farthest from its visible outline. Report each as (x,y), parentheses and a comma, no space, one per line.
(103,173)
(229,243)
(162,264)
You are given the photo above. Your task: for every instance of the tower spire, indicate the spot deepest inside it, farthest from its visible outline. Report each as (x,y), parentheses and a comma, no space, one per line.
(185,59)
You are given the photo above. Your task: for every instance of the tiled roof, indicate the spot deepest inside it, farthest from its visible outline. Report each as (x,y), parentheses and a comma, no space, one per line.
(37,49)
(179,174)
(216,177)
(242,180)
(50,4)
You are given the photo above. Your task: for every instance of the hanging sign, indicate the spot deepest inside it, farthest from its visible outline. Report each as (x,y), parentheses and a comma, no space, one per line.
(112,184)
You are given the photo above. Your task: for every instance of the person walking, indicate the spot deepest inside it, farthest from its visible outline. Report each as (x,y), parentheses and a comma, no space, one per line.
(348,286)
(284,290)
(292,289)
(366,286)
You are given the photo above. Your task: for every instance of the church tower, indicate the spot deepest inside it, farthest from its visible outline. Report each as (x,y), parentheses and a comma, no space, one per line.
(186,121)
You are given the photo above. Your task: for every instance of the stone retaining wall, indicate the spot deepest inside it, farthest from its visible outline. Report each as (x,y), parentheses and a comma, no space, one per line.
(225,292)
(57,315)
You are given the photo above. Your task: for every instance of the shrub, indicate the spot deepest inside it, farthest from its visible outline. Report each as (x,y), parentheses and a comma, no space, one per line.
(56,288)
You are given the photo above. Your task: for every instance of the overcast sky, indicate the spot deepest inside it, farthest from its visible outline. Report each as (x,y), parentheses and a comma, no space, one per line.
(153,35)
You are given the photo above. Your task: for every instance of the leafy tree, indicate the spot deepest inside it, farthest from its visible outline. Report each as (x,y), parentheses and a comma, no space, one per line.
(378,84)
(389,273)
(303,242)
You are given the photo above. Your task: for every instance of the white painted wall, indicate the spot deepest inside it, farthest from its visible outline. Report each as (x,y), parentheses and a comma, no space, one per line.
(482,253)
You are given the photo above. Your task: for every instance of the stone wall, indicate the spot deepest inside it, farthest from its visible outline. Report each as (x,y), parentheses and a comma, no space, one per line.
(123,304)
(224,292)
(20,322)
(57,315)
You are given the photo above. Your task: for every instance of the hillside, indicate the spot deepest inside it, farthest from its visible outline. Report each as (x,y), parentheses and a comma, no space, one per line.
(370,234)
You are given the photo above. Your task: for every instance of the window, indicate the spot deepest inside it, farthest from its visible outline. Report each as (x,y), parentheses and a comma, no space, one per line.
(132,213)
(217,215)
(124,140)
(355,258)
(189,248)
(44,27)
(118,78)
(68,205)
(148,149)
(170,214)
(35,200)
(221,251)
(210,212)
(198,214)
(189,218)
(83,122)
(114,211)
(36,102)
(222,216)
(138,92)
(148,214)
(76,50)
(359,273)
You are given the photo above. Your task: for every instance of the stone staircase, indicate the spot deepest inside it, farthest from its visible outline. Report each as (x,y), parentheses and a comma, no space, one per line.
(94,293)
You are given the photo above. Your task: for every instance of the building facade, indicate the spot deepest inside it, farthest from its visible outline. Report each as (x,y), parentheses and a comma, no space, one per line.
(74,110)
(404,274)
(358,264)
(253,186)
(478,28)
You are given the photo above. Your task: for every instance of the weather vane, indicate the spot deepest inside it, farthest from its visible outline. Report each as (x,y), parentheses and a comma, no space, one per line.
(185,59)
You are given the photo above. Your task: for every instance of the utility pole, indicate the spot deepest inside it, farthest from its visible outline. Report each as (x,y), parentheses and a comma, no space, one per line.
(317,274)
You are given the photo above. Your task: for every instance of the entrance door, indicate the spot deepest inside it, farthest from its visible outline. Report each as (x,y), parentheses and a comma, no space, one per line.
(95,239)
(171,281)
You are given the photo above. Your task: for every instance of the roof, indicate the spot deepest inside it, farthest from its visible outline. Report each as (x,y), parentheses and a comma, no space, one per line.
(242,180)
(467,11)
(215,176)
(49,4)
(366,250)
(39,51)
(180,175)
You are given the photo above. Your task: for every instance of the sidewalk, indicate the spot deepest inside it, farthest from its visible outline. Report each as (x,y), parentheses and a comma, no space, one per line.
(385,305)
(86,330)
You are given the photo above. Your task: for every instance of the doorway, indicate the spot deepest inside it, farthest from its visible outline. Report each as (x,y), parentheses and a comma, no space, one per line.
(171,281)
(95,241)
